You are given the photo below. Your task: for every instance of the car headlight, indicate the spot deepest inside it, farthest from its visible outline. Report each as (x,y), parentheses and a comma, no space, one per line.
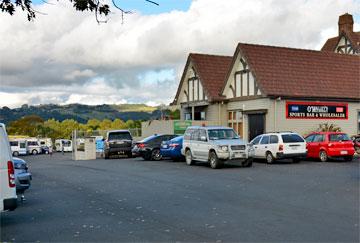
(224,148)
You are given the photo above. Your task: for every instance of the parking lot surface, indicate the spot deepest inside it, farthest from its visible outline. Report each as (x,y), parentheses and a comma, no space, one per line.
(136,200)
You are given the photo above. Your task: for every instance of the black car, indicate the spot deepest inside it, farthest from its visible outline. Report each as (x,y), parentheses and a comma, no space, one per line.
(118,142)
(149,148)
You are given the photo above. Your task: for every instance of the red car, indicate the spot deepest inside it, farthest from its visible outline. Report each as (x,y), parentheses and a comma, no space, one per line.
(325,145)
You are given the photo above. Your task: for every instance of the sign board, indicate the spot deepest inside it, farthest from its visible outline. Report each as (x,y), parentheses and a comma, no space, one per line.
(316,110)
(180,126)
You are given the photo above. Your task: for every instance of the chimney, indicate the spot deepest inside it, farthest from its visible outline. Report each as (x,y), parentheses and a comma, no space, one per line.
(346,23)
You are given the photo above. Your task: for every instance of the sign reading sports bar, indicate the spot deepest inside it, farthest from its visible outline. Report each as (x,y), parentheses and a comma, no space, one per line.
(316,110)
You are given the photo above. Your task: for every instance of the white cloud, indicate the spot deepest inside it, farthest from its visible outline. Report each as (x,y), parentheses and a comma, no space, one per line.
(65,56)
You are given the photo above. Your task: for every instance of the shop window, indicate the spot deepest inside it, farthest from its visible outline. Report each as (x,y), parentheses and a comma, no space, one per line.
(187,116)
(235,121)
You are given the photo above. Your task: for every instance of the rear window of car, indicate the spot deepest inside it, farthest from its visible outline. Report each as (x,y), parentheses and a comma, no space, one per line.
(119,136)
(292,138)
(339,137)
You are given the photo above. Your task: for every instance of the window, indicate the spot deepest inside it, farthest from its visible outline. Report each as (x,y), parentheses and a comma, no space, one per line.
(195,135)
(22,145)
(33,143)
(319,138)
(309,138)
(339,137)
(216,134)
(187,134)
(191,90)
(187,116)
(292,138)
(14,143)
(274,139)
(265,140)
(256,140)
(235,121)
(202,116)
(119,136)
(202,134)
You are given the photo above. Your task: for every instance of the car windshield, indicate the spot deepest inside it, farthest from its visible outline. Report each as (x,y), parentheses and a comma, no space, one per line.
(339,137)
(119,136)
(216,134)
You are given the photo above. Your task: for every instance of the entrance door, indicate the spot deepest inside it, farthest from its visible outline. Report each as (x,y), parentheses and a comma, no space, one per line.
(256,125)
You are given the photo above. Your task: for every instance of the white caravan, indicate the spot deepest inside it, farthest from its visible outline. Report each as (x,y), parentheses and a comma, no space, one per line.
(33,146)
(8,198)
(63,145)
(18,147)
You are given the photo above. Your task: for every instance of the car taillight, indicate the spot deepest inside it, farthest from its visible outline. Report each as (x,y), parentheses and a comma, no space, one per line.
(11,174)
(281,147)
(174,145)
(141,145)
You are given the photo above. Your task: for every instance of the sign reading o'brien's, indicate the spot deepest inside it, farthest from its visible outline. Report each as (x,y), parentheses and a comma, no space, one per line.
(316,110)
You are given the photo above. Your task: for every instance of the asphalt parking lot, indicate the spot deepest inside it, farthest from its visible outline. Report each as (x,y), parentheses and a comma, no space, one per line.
(136,200)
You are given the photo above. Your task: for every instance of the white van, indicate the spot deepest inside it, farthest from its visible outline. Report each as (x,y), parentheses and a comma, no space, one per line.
(33,146)
(18,147)
(63,144)
(8,198)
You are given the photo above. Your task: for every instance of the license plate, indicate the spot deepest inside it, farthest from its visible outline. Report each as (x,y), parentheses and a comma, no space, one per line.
(239,155)
(165,146)
(344,152)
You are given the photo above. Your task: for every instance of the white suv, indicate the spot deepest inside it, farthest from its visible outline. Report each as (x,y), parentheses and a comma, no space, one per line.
(279,145)
(215,145)
(8,198)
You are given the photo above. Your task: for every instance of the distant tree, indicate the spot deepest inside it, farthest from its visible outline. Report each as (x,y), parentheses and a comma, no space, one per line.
(118,124)
(27,125)
(96,6)
(92,125)
(105,124)
(328,127)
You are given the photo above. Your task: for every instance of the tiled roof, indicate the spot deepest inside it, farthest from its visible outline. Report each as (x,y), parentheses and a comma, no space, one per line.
(288,72)
(211,70)
(353,37)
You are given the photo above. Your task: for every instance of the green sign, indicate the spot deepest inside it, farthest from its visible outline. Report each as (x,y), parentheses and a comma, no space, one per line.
(180,126)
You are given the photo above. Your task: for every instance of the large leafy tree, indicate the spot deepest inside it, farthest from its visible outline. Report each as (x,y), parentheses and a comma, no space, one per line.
(97,6)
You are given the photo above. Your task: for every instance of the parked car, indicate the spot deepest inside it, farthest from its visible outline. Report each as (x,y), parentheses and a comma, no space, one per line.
(63,145)
(22,176)
(8,198)
(215,145)
(279,145)
(356,141)
(44,149)
(325,145)
(118,142)
(172,148)
(149,148)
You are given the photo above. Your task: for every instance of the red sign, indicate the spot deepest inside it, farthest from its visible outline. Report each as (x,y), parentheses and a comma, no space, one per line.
(316,110)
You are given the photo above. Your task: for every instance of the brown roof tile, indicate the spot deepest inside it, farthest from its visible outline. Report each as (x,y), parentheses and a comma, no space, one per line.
(289,72)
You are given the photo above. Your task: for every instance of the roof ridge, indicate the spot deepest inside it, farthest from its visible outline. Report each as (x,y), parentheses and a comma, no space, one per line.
(298,49)
(204,54)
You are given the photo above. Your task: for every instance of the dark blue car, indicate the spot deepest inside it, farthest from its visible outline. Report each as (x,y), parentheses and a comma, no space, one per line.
(172,149)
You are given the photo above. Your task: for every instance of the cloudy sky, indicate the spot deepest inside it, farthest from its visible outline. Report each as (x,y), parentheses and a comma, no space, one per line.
(65,56)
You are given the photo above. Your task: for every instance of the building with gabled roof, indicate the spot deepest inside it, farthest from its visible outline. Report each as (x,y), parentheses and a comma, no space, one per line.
(267,88)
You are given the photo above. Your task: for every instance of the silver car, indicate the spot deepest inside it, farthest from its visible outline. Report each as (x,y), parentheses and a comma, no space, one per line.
(216,145)
(22,175)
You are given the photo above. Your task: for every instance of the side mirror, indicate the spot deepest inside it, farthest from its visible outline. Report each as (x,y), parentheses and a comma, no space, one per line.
(203,139)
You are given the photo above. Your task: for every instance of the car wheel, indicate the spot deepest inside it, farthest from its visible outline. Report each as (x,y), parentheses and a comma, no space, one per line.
(34,152)
(323,156)
(248,162)
(348,158)
(188,157)
(215,163)
(269,158)
(296,160)
(16,153)
(156,155)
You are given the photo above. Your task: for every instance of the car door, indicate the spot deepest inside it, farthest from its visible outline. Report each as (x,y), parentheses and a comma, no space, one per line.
(203,145)
(195,148)
(273,144)
(317,144)
(310,145)
(255,142)
(263,146)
